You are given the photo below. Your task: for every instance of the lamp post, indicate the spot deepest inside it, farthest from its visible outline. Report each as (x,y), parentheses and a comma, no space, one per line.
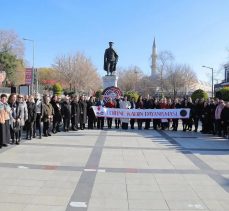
(30,40)
(136,79)
(211,68)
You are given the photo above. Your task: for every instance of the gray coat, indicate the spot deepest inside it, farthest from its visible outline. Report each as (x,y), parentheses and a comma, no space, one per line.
(19,112)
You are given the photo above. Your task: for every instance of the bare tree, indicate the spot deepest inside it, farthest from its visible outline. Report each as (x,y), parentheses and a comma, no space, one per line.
(78,71)
(147,86)
(181,78)
(129,78)
(11,43)
(165,59)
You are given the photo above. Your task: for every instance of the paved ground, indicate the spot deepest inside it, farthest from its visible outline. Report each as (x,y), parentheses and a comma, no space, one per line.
(115,170)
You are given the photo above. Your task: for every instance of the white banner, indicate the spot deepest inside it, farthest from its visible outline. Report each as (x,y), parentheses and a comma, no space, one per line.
(182,113)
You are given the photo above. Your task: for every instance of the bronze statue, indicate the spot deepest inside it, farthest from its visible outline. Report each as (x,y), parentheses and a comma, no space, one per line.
(110,59)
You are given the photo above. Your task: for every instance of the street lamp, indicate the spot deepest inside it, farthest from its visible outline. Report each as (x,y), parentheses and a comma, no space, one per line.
(136,79)
(33,68)
(211,68)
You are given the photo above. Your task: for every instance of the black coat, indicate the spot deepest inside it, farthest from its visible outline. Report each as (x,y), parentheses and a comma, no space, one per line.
(75,110)
(206,113)
(57,111)
(225,114)
(197,110)
(90,112)
(31,107)
(83,112)
(66,110)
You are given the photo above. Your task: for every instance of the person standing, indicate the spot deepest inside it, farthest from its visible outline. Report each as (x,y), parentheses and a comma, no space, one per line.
(110,104)
(225,119)
(47,115)
(206,118)
(66,113)
(218,111)
(164,105)
(147,105)
(31,106)
(2,123)
(83,112)
(125,104)
(18,117)
(140,105)
(4,119)
(175,105)
(156,122)
(117,105)
(37,123)
(75,112)
(90,112)
(196,112)
(132,106)
(100,120)
(57,117)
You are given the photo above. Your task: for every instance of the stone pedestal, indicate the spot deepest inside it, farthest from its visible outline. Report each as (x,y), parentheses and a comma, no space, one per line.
(110,80)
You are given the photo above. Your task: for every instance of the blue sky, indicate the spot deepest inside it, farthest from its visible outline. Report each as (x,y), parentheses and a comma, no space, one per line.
(195,31)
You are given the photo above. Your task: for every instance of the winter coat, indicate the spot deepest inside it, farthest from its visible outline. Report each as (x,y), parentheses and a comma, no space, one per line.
(225,114)
(83,112)
(66,110)
(47,112)
(18,112)
(218,111)
(31,112)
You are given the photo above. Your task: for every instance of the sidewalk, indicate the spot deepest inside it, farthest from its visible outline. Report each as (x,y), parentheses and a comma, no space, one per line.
(116,170)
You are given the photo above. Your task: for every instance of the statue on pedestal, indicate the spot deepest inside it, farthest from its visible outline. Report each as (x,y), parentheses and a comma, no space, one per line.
(110,59)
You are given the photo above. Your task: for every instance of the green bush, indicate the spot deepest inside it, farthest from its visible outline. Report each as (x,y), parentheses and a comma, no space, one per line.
(131,94)
(98,93)
(199,93)
(57,89)
(223,94)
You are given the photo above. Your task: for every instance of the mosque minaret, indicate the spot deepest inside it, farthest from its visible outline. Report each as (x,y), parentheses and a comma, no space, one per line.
(154,60)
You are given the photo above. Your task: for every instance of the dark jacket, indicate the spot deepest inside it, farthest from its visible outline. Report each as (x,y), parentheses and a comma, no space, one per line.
(225,114)
(57,111)
(83,112)
(90,112)
(66,110)
(31,112)
(75,110)
(47,112)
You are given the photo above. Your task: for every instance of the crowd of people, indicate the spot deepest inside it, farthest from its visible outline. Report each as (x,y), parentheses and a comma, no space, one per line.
(41,117)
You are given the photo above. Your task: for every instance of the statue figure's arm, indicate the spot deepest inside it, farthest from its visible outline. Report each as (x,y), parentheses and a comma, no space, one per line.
(105,61)
(116,56)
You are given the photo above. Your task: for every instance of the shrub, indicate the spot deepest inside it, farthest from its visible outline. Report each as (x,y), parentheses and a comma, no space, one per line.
(199,93)
(57,89)
(98,93)
(223,94)
(131,94)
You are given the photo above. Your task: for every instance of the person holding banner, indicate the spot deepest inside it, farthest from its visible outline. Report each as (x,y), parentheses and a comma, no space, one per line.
(156,122)
(132,106)
(109,104)
(100,120)
(139,105)
(164,105)
(125,104)
(175,105)
(117,105)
